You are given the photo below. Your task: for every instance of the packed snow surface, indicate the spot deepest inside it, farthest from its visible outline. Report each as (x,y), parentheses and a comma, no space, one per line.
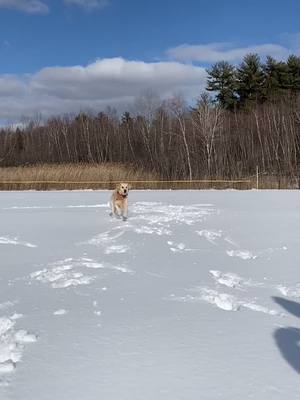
(195,296)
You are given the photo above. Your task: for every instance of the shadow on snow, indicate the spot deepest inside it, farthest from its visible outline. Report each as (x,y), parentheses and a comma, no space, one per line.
(288,339)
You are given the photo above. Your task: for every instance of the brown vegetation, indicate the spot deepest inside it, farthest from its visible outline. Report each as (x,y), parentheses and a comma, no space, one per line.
(105,176)
(69,176)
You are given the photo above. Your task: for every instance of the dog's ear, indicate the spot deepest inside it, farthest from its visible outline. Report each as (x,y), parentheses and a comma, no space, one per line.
(118,187)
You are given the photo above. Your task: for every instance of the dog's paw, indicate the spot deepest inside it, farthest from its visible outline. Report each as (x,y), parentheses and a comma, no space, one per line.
(124,218)
(111,214)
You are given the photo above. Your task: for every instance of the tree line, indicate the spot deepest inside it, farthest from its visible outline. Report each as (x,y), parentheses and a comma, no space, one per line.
(254,82)
(252,120)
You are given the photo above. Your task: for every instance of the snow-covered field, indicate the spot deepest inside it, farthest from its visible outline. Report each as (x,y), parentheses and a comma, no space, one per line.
(196,296)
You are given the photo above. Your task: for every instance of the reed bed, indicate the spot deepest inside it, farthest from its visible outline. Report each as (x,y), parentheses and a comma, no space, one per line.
(105,176)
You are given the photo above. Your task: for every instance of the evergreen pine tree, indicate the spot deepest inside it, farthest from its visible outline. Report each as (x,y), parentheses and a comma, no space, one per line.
(222,79)
(276,78)
(126,118)
(293,64)
(250,80)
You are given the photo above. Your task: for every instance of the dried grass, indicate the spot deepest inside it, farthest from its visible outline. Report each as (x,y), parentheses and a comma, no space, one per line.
(69,176)
(104,176)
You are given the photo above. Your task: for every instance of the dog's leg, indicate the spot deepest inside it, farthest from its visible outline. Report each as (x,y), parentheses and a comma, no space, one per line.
(125,211)
(118,212)
(112,209)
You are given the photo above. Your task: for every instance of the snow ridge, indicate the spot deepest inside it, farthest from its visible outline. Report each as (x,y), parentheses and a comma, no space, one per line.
(12,343)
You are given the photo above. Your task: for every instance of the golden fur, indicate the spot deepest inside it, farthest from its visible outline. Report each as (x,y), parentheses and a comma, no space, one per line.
(119,201)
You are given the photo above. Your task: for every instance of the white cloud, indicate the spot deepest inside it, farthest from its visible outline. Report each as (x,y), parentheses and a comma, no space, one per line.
(292,41)
(213,52)
(88,4)
(113,81)
(10,86)
(40,7)
(28,6)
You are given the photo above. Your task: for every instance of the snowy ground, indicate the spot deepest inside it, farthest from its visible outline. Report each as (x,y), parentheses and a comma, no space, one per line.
(196,296)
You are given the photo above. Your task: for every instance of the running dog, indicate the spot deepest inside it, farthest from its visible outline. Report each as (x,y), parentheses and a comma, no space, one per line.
(119,201)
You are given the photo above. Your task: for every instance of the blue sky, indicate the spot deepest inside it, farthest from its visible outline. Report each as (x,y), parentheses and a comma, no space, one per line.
(121,47)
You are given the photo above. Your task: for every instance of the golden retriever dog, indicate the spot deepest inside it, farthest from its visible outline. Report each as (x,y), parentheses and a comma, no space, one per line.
(119,201)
